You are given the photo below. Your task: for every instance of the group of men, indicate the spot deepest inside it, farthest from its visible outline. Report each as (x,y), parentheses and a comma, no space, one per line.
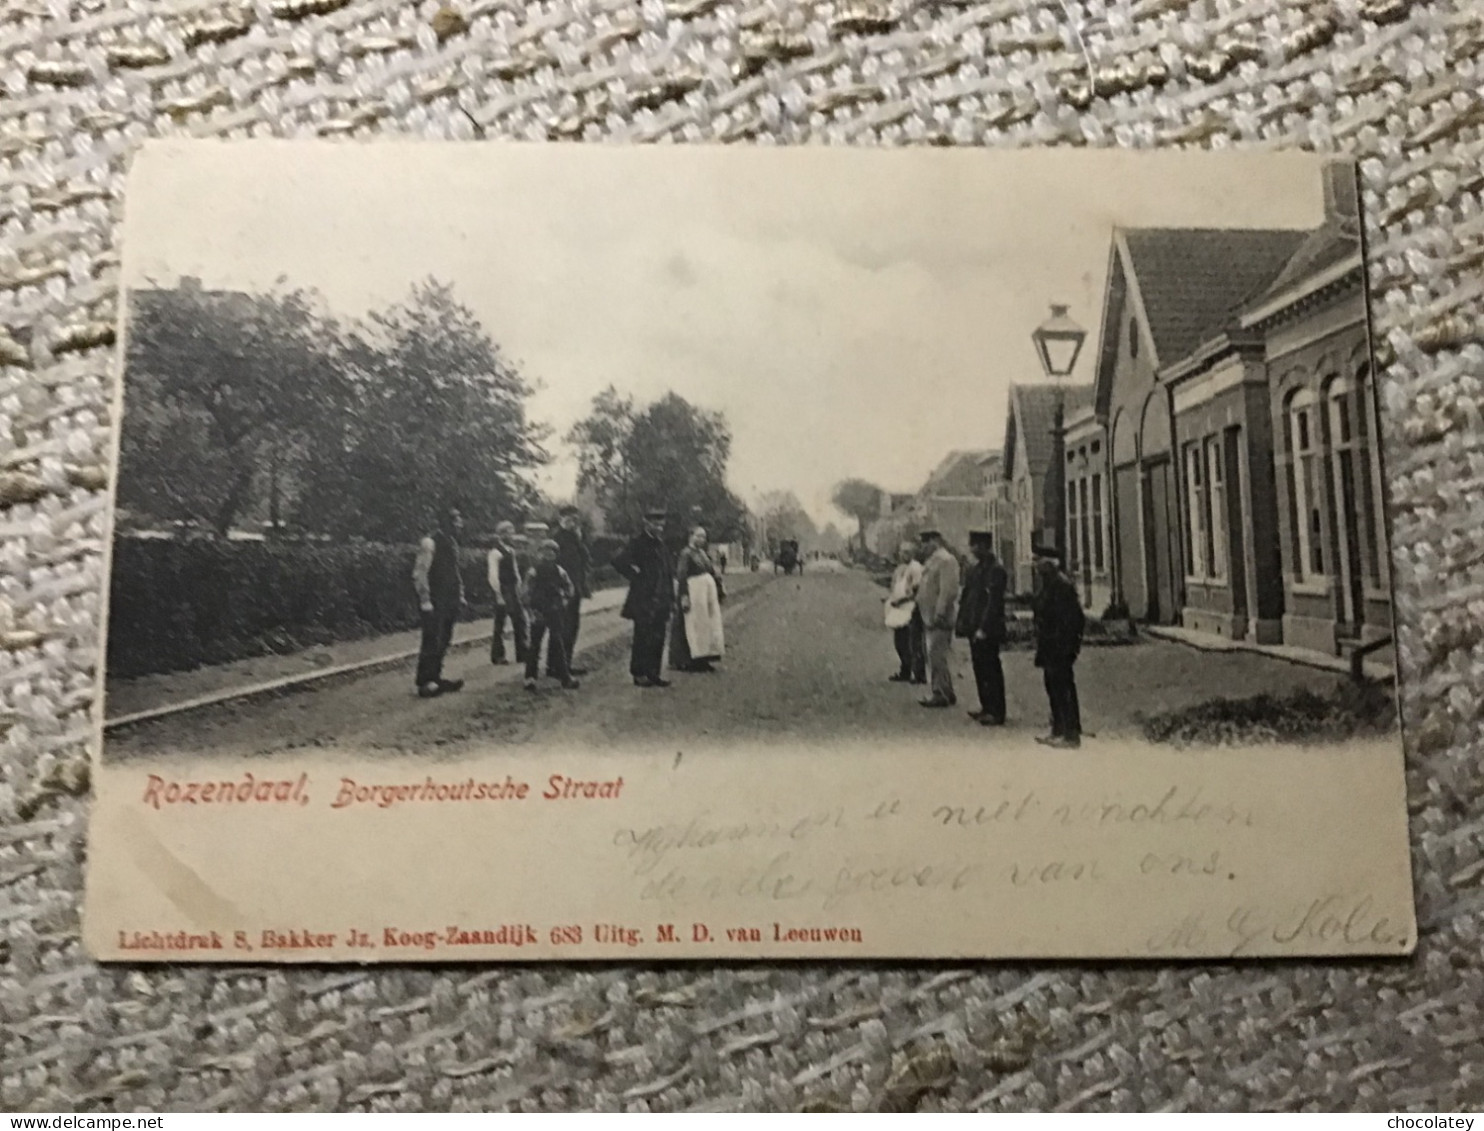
(539,580)
(932,601)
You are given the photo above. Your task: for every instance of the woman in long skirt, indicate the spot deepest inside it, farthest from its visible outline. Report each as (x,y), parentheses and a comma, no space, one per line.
(696,639)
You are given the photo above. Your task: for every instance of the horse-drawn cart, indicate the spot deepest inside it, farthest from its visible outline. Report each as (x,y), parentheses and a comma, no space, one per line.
(788,558)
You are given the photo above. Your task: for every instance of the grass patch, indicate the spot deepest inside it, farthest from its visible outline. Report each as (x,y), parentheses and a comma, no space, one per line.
(1350,710)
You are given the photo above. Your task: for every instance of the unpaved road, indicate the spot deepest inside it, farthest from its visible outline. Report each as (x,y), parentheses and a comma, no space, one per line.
(807,659)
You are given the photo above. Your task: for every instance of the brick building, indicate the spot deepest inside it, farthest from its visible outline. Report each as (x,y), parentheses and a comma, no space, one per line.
(1168,290)
(1089,515)
(965,492)
(1235,411)
(1331,515)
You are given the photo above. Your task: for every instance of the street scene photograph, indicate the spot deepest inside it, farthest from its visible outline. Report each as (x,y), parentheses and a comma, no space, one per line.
(694,454)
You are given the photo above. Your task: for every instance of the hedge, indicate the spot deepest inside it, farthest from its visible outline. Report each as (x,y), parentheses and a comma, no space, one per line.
(1348,710)
(175,605)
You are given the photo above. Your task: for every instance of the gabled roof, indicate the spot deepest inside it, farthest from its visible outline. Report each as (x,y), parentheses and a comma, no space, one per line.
(951,463)
(1029,423)
(1325,247)
(1190,281)
(1185,285)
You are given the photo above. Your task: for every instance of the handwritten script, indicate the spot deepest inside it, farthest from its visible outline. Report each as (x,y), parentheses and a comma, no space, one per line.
(1179,845)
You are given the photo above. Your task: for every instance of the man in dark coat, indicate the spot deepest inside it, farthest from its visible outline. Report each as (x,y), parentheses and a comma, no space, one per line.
(440,599)
(1059,622)
(981,621)
(646,562)
(573,557)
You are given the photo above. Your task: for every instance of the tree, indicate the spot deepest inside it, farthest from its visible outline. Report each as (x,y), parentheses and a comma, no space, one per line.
(668,454)
(439,419)
(784,519)
(601,440)
(223,387)
(861,501)
(830,540)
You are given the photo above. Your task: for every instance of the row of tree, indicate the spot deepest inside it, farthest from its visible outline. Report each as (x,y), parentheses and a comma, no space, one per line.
(250,411)
(261,409)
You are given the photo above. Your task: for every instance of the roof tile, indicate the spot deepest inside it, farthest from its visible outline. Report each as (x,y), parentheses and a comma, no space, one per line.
(1193,279)
(1034,406)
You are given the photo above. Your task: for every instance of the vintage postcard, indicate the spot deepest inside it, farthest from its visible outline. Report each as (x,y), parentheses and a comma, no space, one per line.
(532,552)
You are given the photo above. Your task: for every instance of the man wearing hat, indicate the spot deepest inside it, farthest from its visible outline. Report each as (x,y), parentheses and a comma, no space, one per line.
(981,620)
(937,601)
(572,556)
(651,574)
(1059,622)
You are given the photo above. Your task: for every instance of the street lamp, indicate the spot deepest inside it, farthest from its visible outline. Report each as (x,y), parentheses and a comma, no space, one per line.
(1058,341)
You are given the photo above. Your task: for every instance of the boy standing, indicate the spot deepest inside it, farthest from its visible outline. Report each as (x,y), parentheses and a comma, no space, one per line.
(546,595)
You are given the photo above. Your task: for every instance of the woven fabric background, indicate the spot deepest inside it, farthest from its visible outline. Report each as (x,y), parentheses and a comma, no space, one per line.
(84,81)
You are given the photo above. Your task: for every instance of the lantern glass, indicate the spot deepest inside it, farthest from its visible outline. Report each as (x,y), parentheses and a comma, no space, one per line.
(1058,342)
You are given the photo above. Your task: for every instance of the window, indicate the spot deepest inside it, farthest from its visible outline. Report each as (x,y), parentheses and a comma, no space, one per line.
(1216,523)
(1195,495)
(1097,523)
(1307,489)
(1085,552)
(1133,337)
(1071,525)
(1370,448)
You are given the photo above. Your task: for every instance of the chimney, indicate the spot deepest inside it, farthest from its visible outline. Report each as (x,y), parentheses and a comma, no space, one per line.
(1341,191)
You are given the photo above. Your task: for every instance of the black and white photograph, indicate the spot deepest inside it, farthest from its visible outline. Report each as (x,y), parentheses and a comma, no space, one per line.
(431,457)
(786,465)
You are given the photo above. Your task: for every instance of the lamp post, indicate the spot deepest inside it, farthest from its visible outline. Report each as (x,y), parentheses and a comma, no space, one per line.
(1058,341)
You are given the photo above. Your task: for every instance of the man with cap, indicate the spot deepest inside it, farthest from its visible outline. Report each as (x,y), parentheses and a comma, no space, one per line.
(937,601)
(981,620)
(1059,622)
(572,556)
(505,575)
(440,599)
(646,563)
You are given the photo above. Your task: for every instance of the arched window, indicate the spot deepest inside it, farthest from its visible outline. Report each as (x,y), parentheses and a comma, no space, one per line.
(1307,474)
(1369,440)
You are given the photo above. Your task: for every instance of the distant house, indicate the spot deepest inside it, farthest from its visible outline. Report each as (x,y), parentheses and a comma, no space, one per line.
(1029,451)
(958,497)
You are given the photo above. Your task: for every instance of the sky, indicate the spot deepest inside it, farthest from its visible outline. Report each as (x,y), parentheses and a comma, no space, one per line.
(853,312)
